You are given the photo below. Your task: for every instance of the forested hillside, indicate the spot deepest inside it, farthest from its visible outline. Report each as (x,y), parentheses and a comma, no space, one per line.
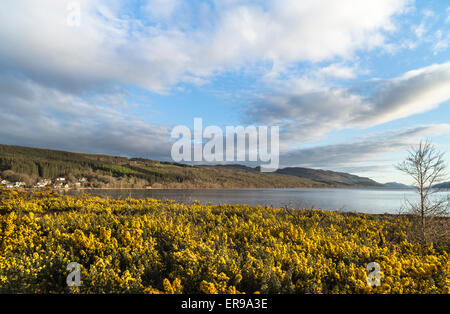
(31,164)
(330,177)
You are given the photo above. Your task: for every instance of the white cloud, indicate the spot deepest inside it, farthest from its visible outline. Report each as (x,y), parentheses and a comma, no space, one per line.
(338,71)
(414,92)
(114,46)
(442,41)
(420,30)
(307,113)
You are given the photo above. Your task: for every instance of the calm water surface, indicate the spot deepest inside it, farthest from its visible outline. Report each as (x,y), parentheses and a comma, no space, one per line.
(360,200)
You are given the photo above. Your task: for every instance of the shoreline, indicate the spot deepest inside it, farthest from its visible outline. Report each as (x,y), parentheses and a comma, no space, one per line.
(229,188)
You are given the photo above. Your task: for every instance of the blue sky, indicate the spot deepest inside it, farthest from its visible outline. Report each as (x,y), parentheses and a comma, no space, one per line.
(352,84)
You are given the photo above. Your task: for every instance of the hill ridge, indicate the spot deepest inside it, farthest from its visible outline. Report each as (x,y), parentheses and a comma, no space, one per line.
(28,164)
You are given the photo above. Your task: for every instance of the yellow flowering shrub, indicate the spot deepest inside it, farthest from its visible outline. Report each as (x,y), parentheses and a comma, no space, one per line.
(152,246)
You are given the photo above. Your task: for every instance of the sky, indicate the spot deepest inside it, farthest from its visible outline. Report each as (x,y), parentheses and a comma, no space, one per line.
(352,84)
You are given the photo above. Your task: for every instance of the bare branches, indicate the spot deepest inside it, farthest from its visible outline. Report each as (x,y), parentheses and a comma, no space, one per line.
(427,167)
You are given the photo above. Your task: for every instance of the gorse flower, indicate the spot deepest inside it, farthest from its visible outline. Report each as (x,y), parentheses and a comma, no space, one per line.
(151,246)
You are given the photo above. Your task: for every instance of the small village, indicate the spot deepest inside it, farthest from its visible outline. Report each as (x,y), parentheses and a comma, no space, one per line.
(58,183)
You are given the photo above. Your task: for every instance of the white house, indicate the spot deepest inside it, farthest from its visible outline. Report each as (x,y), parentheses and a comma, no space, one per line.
(43,183)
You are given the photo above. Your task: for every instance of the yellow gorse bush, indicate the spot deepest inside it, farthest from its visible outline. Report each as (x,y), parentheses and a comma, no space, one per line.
(151,246)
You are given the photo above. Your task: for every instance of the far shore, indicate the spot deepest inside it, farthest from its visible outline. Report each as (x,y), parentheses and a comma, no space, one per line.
(208,188)
(232,188)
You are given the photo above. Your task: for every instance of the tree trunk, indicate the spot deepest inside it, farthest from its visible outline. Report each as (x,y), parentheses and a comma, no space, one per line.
(422,213)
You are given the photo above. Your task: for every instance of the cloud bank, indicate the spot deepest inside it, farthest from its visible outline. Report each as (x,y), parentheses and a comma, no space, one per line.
(367,149)
(162,43)
(37,116)
(307,110)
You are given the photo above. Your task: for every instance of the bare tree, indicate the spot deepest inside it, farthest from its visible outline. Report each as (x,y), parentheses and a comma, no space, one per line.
(426,166)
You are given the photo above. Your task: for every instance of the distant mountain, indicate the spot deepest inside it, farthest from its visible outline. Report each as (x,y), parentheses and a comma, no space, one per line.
(443,185)
(330,177)
(396,185)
